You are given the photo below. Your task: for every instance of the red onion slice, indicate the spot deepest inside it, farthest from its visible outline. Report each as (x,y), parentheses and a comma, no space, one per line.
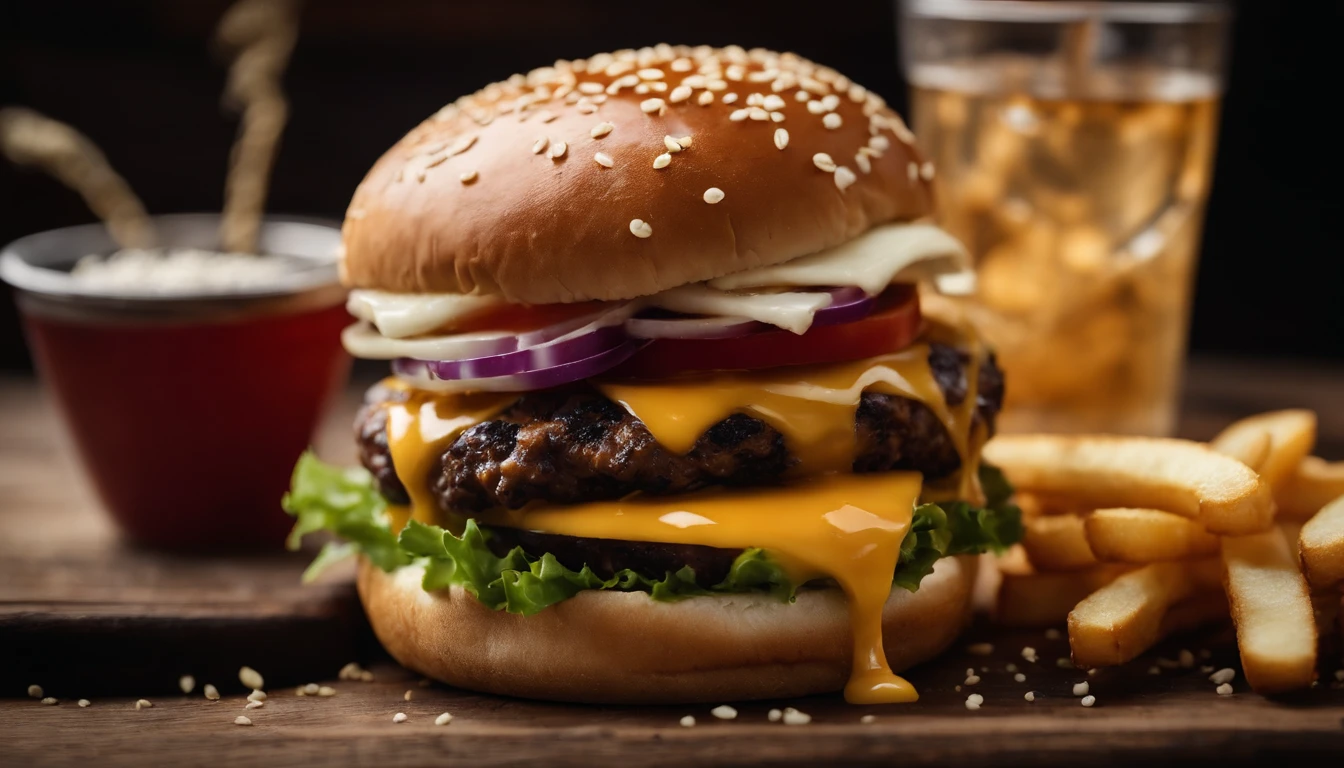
(559,352)
(418,373)
(847,305)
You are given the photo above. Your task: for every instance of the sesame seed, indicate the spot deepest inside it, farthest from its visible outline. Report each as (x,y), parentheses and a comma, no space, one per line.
(1019,677)
(926,173)
(738,115)
(688,721)
(35,691)
(671,144)
(650,74)
(956,688)
(52,701)
(679,94)
(603,159)
(781,138)
(557,150)
(705,98)
(400,717)
(1080,689)
(241,720)
(972,679)
(662,161)
(682,65)
(1029,654)
(802,96)
(824,162)
(843,179)
(794,717)
(310,689)
(735,72)
(1187,658)
(863,162)
(868,719)
(211,692)
(640,228)
(1154,670)
(830,101)
(755,100)
(254,705)
(139,704)
(443,719)
(1092,672)
(832,121)
(540,145)
(251,678)
(434,161)
(777,117)
(590,88)
(1224,675)
(256,696)
(458,147)
(84,702)
(1205,670)
(326,691)
(649,106)
(1029,695)
(598,131)
(717,85)
(857,93)
(773,102)
(546,116)
(974,701)
(366,676)
(880,142)
(1088,701)
(187,683)
(980,649)
(756,113)
(1223,690)
(912,171)
(658,86)
(406,696)
(713,195)
(685,142)
(724,712)
(467,177)
(816,107)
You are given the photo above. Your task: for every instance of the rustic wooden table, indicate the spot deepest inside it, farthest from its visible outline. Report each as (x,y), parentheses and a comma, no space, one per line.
(85,616)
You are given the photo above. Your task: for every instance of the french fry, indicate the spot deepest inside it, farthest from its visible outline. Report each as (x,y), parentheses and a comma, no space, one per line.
(1249,445)
(1271,606)
(1202,608)
(1313,484)
(1127,535)
(1177,476)
(1292,434)
(1028,599)
(1321,546)
(1125,618)
(1057,543)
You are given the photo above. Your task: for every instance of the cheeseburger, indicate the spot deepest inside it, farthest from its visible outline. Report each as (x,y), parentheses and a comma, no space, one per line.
(665,421)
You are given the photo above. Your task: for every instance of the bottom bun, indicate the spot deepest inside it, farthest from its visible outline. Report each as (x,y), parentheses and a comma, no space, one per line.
(625,648)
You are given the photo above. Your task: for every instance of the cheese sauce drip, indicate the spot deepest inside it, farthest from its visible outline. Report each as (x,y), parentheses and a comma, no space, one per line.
(419,431)
(841,526)
(813,407)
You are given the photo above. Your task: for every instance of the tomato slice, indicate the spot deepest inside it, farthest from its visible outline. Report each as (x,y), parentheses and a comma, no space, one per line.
(892,326)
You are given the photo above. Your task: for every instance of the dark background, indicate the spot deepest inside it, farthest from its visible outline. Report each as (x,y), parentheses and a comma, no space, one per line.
(140,78)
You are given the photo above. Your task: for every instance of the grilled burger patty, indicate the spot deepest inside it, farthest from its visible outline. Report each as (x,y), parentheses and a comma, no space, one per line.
(573,445)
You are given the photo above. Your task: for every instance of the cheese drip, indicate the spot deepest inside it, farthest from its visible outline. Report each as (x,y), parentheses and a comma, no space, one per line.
(813,406)
(841,526)
(419,431)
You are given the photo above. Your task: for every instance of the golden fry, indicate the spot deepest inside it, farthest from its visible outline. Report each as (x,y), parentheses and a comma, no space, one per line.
(1249,445)
(1105,471)
(1127,535)
(1124,618)
(1204,607)
(1028,599)
(1313,484)
(1271,606)
(1292,434)
(1057,543)
(1321,546)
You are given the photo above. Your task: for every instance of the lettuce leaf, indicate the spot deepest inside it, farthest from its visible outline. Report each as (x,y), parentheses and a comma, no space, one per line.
(346,503)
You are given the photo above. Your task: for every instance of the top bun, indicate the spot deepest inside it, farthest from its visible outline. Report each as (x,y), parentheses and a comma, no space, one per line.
(534,188)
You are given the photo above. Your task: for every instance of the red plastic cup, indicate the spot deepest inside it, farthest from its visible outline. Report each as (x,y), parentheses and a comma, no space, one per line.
(188,411)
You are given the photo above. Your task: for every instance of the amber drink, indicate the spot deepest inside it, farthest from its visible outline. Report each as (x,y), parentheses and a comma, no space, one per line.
(1073,152)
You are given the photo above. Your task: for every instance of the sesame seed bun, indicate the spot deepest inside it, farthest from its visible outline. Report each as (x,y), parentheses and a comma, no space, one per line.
(625,648)
(568,184)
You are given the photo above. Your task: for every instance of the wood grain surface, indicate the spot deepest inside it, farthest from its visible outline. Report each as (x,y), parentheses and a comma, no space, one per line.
(84,616)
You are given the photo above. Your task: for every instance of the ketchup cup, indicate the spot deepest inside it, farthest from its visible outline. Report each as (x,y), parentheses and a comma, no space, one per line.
(188,409)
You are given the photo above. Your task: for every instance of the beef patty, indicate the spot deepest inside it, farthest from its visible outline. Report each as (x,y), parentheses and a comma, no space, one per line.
(573,444)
